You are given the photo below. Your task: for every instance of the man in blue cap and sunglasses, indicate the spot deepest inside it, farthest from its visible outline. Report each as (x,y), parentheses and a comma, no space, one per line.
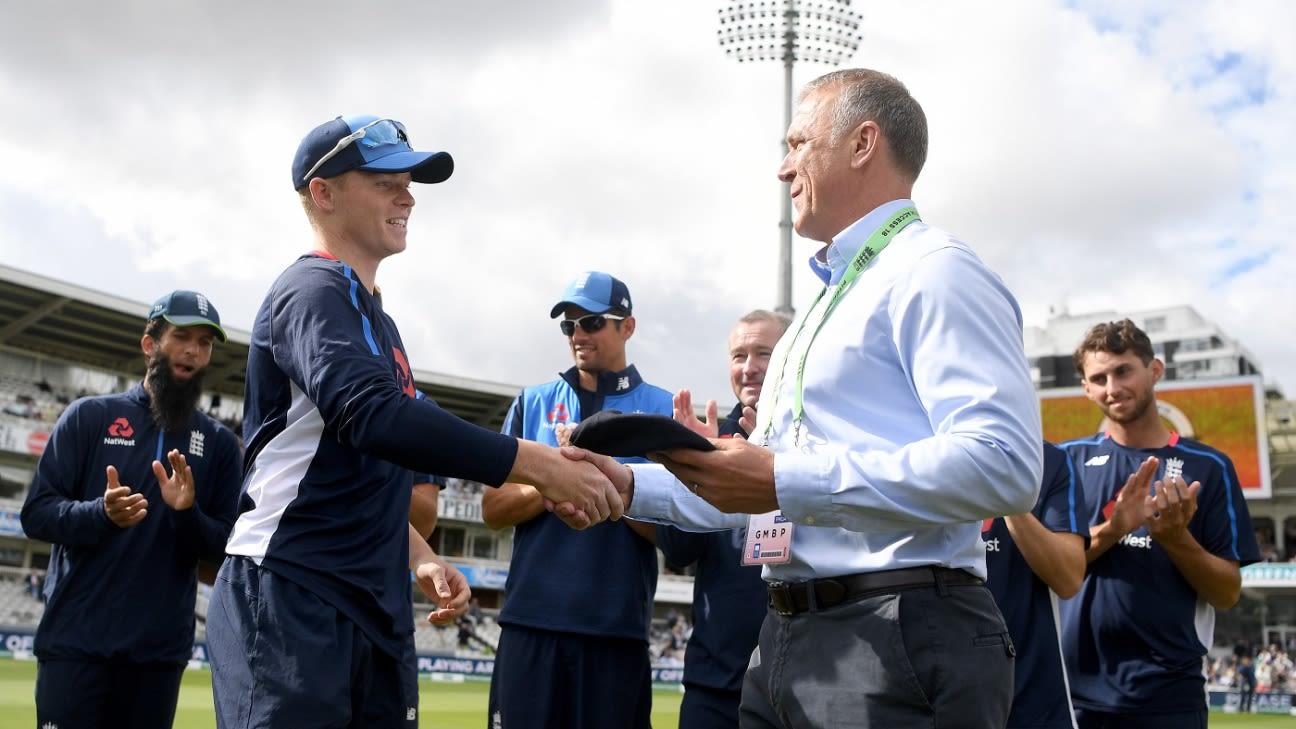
(573,647)
(310,621)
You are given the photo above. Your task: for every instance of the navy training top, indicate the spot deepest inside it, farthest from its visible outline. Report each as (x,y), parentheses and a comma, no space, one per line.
(729,599)
(334,429)
(126,594)
(1135,634)
(1041,698)
(599,581)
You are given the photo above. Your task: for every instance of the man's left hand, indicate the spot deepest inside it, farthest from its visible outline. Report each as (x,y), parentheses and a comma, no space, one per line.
(446,587)
(1169,509)
(737,477)
(178,488)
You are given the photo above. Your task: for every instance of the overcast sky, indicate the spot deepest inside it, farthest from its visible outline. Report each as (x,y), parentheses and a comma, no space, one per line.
(1099,155)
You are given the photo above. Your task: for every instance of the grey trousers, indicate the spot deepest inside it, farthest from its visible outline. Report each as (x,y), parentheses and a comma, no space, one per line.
(937,657)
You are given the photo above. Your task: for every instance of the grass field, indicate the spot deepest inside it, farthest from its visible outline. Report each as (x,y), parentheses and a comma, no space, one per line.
(441,705)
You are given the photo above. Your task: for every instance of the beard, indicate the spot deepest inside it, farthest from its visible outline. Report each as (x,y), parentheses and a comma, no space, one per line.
(172,402)
(1138,408)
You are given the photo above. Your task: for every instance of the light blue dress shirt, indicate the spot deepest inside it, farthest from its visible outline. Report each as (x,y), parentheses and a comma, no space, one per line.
(920,416)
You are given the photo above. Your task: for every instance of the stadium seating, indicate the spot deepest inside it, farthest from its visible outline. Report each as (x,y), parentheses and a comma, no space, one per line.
(17,606)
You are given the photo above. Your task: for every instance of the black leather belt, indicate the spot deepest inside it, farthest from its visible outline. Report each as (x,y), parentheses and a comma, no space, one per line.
(799,597)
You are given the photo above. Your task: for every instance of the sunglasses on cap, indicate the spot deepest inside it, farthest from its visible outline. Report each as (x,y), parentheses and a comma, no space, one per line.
(374,134)
(589,323)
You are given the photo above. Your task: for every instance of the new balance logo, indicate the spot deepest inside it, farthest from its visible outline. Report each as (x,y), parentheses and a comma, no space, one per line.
(196,440)
(623,383)
(411,714)
(1098,460)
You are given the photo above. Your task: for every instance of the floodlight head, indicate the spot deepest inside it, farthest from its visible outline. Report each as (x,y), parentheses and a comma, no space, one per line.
(820,31)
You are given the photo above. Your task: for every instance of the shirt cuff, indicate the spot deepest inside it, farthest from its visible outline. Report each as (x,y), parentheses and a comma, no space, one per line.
(801,482)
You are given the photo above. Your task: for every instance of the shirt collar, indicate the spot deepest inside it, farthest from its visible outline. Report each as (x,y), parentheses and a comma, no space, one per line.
(609,383)
(829,264)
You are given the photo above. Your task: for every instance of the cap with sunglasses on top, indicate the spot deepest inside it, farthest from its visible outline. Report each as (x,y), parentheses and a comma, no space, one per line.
(364,142)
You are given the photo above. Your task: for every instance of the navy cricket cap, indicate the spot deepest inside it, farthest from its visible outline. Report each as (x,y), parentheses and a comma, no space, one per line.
(595,292)
(622,435)
(364,142)
(187,309)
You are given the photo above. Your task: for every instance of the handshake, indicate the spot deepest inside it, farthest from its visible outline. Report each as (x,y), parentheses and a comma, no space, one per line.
(580,487)
(583,488)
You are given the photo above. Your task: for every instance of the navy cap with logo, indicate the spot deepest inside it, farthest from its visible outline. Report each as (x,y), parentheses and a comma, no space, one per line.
(595,292)
(364,142)
(187,309)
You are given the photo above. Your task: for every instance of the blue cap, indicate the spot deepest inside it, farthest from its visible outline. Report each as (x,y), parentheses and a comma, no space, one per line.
(187,309)
(384,148)
(595,292)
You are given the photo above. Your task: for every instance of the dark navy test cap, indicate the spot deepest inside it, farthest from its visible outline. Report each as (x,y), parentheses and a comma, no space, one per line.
(614,433)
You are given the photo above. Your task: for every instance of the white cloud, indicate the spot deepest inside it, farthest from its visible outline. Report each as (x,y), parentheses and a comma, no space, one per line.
(1104,155)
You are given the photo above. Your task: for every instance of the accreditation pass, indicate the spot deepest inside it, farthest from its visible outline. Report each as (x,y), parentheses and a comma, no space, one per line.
(769,539)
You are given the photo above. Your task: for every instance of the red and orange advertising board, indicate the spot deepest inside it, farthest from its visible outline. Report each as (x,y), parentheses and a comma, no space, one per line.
(1227,414)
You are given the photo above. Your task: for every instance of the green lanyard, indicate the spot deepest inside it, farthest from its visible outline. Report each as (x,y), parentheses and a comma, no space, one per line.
(876,243)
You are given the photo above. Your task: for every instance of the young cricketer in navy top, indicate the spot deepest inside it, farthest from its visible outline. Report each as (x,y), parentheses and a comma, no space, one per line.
(1170,531)
(310,620)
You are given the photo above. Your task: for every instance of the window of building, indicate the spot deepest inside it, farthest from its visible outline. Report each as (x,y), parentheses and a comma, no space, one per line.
(1264,532)
(1154,324)
(448,542)
(483,546)
(1289,538)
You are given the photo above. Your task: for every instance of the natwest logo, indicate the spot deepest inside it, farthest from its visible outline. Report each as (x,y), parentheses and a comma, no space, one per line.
(120,432)
(1144,542)
(559,414)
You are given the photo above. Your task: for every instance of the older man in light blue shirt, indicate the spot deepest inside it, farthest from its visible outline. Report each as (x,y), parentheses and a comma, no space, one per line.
(897,414)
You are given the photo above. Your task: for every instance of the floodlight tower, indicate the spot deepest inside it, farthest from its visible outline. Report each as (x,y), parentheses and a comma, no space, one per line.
(821,31)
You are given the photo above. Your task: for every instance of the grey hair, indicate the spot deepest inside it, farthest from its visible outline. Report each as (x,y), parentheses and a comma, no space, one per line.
(867,95)
(757,316)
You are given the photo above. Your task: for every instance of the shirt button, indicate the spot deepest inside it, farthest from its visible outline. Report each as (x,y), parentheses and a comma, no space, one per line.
(809,520)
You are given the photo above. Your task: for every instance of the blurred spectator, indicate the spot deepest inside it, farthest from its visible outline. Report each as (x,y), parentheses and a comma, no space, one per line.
(465,631)
(35,584)
(1246,683)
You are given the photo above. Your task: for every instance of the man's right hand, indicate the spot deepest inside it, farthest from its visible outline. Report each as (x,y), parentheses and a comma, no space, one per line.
(124,508)
(618,473)
(560,480)
(682,408)
(1129,512)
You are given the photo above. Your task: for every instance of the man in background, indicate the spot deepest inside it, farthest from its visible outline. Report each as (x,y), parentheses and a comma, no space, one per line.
(728,597)
(1032,559)
(573,646)
(127,534)
(1169,532)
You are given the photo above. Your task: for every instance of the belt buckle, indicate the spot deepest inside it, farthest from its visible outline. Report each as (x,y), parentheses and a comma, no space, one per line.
(781,598)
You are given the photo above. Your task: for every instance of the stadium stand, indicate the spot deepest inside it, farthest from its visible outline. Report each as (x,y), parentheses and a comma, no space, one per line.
(17,606)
